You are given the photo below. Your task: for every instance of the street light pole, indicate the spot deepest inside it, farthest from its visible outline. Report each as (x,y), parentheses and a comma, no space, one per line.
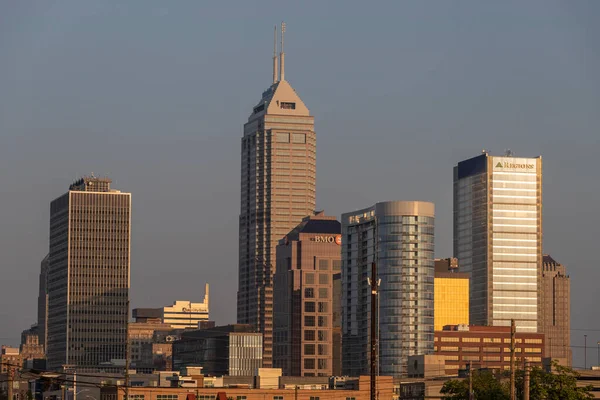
(584,351)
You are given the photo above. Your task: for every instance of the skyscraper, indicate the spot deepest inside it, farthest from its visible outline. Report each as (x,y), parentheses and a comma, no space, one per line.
(498,237)
(42,313)
(307,260)
(555,312)
(88,275)
(277,191)
(399,237)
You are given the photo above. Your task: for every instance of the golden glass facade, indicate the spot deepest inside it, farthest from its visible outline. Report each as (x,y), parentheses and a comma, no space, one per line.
(451,300)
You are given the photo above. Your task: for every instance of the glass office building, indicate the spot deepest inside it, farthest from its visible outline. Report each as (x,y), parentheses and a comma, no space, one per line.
(498,237)
(399,237)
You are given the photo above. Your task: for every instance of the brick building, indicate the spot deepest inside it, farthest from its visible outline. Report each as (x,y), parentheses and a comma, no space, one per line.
(486,347)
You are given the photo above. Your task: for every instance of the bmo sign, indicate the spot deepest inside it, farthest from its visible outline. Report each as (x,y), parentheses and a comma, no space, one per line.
(337,239)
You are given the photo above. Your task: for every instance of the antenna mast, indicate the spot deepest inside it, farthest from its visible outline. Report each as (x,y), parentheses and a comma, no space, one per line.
(282,54)
(275,73)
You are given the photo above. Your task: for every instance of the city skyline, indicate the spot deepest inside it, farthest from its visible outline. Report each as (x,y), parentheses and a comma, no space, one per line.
(568,165)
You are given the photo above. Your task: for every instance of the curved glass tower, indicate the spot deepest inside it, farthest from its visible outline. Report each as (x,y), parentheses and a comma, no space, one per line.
(399,237)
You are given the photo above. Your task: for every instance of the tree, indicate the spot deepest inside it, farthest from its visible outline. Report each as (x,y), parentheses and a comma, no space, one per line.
(486,385)
(561,384)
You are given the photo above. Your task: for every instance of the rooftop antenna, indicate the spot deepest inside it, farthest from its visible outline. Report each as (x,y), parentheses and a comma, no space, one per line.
(508,153)
(282,54)
(275,55)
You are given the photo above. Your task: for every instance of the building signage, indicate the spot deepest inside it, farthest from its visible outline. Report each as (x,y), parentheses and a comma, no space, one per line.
(337,239)
(193,310)
(514,164)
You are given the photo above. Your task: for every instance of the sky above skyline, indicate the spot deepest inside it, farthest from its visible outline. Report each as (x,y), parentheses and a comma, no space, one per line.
(154,95)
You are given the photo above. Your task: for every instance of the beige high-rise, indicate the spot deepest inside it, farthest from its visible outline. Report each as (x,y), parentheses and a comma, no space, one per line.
(277,191)
(555,311)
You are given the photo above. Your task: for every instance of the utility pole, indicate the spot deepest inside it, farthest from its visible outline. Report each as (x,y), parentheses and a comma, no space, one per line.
(374,283)
(10,382)
(526,381)
(471,394)
(584,351)
(127,355)
(513,330)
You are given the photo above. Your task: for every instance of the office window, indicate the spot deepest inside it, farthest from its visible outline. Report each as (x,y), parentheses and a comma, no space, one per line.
(323,293)
(166,397)
(309,335)
(299,138)
(309,293)
(449,339)
(323,265)
(309,363)
(323,307)
(309,349)
(323,279)
(323,322)
(309,278)
(309,306)
(309,320)
(277,397)
(283,137)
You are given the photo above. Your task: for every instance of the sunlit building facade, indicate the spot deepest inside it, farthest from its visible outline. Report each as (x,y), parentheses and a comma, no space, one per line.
(451,288)
(498,237)
(278,178)
(399,237)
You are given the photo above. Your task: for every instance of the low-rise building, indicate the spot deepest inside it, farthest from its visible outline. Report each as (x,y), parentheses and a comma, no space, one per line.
(234,350)
(385,389)
(486,347)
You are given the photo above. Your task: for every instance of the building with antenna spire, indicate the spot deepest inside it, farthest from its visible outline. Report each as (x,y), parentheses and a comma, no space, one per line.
(277,191)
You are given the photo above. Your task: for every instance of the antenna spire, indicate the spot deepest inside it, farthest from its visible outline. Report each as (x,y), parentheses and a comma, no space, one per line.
(275,73)
(282,55)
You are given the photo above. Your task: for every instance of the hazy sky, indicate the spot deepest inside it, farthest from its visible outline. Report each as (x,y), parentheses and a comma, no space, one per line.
(154,94)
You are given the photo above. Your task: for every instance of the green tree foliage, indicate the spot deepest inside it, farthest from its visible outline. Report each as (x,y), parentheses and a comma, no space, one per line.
(486,385)
(559,385)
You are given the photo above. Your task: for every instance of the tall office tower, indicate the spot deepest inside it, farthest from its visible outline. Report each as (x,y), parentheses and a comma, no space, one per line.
(398,237)
(42,312)
(307,260)
(555,312)
(451,299)
(88,275)
(277,191)
(498,237)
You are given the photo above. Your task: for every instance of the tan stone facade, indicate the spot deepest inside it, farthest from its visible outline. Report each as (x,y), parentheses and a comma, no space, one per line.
(307,260)
(555,311)
(277,190)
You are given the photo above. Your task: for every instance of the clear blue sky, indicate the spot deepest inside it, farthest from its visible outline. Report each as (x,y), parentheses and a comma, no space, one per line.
(154,94)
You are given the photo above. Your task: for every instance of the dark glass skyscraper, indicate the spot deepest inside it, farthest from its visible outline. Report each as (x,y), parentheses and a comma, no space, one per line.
(88,276)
